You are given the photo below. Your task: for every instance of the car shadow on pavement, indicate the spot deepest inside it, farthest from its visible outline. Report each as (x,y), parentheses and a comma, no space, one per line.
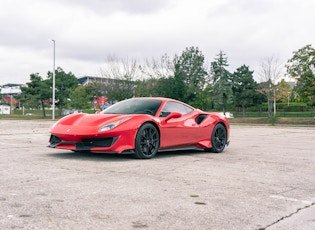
(90,156)
(178,153)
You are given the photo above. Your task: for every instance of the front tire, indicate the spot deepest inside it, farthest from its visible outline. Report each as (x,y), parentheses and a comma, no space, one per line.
(218,138)
(147,141)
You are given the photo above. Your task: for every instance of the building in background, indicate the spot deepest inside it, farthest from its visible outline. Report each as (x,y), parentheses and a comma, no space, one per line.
(8,99)
(10,89)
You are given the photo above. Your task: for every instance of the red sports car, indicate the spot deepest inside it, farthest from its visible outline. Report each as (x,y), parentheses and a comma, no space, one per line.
(142,127)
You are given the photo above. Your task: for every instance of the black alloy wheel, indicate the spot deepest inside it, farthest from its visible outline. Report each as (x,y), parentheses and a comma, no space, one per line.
(218,138)
(147,141)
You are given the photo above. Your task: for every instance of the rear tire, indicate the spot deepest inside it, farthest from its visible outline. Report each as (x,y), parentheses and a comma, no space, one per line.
(218,138)
(147,141)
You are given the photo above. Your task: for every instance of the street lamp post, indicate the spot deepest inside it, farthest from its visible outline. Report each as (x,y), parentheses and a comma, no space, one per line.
(54,84)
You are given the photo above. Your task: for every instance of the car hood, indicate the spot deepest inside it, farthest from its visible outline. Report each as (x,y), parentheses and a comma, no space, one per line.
(81,119)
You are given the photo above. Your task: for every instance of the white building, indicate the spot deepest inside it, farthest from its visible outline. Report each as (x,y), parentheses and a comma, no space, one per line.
(4,109)
(10,89)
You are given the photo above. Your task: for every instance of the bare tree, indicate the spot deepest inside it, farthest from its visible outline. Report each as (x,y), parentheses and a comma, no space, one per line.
(158,68)
(270,72)
(120,68)
(124,73)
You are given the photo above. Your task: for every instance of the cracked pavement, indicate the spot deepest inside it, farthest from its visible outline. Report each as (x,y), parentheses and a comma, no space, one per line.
(265,179)
(302,218)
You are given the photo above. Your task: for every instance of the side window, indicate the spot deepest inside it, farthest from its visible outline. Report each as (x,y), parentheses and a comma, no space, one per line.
(172,106)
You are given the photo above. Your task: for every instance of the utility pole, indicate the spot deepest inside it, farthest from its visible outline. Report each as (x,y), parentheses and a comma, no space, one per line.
(54,83)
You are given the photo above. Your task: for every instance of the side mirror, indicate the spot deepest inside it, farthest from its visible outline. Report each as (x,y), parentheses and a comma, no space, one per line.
(171,116)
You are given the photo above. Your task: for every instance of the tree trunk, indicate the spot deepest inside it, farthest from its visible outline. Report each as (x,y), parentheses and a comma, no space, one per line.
(243,110)
(60,108)
(43,108)
(269,104)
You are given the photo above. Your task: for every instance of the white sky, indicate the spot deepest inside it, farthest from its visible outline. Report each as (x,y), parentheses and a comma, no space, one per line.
(87,31)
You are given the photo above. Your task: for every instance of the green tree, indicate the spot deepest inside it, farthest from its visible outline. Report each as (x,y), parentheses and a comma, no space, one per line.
(80,98)
(203,99)
(283,91)
(36,92)
(65,83)
(190,75)
(95,89)
(121,89)
(222,94)
(302,67)
(244,88)
(261,95)
(174,87)
(146,87)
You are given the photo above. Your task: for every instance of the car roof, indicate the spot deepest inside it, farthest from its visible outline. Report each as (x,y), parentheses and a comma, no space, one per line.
(164,99)
(157,98)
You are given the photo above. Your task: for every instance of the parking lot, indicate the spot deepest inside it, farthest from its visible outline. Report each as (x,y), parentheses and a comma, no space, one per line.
(265,179)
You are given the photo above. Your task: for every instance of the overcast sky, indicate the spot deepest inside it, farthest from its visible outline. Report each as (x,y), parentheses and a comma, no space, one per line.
(87,31)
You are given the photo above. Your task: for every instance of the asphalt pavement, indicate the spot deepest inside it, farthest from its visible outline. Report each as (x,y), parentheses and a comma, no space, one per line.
(265,179)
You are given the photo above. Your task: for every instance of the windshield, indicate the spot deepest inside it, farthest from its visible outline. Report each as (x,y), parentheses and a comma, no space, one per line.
(134,106)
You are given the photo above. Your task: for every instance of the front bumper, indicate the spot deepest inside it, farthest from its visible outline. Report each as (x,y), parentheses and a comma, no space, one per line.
(87,144)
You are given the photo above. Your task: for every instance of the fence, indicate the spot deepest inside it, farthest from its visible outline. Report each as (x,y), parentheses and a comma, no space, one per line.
(278,114)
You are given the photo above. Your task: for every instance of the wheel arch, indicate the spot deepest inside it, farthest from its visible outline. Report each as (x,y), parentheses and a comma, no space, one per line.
(226,126)
(155,125)
(222,123)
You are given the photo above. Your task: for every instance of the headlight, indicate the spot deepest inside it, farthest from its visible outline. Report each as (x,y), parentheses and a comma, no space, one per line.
(112,125)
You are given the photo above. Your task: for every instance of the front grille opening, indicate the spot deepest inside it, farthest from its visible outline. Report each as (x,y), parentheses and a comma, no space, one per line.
(54,140)
(98,142)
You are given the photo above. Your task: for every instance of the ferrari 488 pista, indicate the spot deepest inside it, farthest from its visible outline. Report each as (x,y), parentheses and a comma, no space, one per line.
(142,127)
